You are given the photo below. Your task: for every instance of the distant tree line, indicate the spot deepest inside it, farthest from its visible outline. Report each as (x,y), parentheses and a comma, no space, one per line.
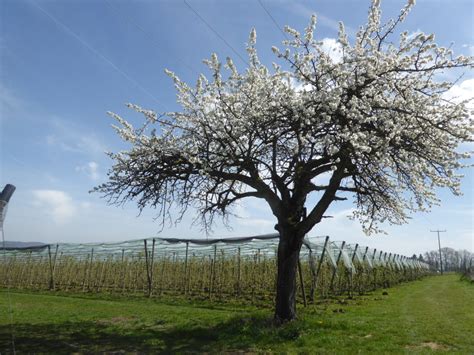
(452,260)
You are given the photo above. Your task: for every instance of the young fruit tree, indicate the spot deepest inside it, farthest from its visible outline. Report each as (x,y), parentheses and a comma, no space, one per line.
(372,117)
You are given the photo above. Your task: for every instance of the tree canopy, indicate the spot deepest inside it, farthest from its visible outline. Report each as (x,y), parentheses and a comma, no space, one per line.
(372,118)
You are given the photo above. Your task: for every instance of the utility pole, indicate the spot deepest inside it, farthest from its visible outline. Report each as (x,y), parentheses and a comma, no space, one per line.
(439,246)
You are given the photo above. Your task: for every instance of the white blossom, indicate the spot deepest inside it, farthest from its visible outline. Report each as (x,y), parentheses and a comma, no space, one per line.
(376,116)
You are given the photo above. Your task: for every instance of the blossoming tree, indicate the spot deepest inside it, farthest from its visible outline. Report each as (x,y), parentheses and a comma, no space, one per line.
(373,120)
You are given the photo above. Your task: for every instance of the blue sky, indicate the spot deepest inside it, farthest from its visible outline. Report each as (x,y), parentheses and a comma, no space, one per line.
(65,63)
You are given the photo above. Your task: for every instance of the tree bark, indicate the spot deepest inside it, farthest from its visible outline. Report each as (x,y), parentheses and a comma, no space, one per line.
(287,259)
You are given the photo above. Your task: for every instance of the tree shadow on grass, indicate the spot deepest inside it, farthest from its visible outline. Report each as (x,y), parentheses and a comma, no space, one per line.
(130,335)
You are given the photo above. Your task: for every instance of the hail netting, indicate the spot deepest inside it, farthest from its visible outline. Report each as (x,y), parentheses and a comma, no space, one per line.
(214,268)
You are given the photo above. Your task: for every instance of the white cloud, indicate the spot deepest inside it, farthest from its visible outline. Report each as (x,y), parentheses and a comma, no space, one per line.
(322,179)
(339,226)
(253,217)
(332,48)
(91,143)
(86,205)
(470,48)
(91,169)
(256,225)
(55,203)
(70,138)
(86,144)
(462,91)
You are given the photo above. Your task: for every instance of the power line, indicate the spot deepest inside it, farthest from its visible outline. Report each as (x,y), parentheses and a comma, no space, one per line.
(439,245)
(215,32)
(273,20)
(147,34)
(96,52)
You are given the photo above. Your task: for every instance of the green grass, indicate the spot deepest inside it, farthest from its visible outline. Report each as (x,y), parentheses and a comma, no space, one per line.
(436,312)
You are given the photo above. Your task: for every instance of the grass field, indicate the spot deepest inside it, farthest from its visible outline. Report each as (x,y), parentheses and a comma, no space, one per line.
(435,314)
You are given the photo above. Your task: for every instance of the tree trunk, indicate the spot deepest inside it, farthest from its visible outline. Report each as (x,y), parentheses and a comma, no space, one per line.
(288,255)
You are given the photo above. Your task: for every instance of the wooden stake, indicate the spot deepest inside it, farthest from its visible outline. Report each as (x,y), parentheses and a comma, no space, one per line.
(355,251)
(90,269)
(162,274)
(52,266)
(315,279)
(238,271)
(122,278)
(363,260)
(102,273)
(213,271)
(337,264)
(303,292)
(51,281)
(186,269)
(374,268)
(148,276)
(351,276)
(211,262)
(152,265)
(86,266)
(313,272)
